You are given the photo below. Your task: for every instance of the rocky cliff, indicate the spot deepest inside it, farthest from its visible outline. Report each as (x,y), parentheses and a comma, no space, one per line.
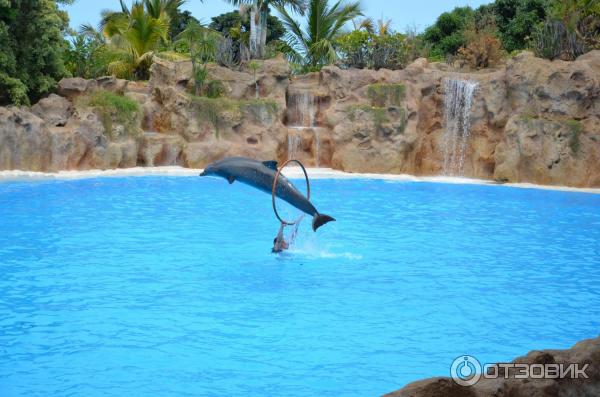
(531,120)
(584,353)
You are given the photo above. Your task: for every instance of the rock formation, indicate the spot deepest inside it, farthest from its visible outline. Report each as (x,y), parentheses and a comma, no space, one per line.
(584,352)
(531,120)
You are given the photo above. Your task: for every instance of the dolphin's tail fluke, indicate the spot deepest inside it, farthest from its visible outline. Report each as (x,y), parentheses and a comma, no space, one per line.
(319,220)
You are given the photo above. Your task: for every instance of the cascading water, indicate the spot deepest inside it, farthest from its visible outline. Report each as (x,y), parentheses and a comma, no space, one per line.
(457,123)
(302,108)
(294,140)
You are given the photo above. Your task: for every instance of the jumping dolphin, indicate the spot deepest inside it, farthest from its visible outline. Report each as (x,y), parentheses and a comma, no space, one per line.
(261,176)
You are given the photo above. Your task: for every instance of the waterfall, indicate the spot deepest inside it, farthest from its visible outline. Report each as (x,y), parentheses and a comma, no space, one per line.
(302,108)
(294,141)
(457,123)
(317,146)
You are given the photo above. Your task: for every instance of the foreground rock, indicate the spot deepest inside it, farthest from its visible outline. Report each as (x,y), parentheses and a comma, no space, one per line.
(531,121)
(584,352)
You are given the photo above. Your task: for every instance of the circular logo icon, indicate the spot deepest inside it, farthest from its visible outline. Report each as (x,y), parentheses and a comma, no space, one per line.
(465,370)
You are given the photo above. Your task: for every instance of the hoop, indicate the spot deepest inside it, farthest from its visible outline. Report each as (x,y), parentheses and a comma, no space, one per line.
(275,188)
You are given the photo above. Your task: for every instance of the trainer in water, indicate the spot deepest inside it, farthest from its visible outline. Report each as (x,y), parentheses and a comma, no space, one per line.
(261,175)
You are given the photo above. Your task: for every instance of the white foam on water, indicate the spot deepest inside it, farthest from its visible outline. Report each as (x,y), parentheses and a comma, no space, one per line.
(325,255)
(290,172)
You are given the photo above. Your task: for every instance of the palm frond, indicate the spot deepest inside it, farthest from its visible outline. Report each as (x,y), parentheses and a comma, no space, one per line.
(324,23)
(366,24)
(237,3)
(295,37)
(298,6)
(384,27)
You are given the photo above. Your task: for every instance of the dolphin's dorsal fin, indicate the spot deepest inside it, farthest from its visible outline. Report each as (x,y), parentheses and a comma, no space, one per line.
(230,179)
(272,164)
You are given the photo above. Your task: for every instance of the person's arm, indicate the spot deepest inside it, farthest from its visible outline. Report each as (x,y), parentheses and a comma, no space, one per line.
(279,241)
(280,233)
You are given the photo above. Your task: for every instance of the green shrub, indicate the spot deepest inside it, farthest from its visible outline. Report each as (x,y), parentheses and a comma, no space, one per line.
(214,89)
(114,102)
(213,109)
(390,51)
(516,20)
(386,94)
(114,108)
(32,47)
(378,114)
(361,49)
(274,48)
(554,40)
(216,110)
(446,35)
(355,49)
(263,110)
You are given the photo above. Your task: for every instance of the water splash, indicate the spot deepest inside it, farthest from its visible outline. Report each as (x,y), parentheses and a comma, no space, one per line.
(457,123)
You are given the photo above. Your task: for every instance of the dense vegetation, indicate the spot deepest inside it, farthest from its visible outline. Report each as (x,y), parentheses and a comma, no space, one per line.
(37,48)
(32,47)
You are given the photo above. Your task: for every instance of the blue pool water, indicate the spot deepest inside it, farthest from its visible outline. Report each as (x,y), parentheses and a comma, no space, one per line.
(165,286)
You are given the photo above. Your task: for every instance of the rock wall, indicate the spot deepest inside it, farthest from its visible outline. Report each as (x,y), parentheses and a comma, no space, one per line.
(531,121)
(54,135)
(506,385)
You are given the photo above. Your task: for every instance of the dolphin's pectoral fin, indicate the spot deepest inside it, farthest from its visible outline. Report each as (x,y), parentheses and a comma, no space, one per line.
(271,164)
(230,179)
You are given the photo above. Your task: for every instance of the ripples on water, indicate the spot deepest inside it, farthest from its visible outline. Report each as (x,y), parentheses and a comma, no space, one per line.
(166,286)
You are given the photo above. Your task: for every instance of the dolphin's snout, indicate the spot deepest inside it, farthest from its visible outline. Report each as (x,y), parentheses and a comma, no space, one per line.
(203,173)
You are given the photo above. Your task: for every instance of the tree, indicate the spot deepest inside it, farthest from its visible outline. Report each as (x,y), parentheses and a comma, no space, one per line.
(157,8)
(87,55)
(31,49)
(254,66)
(202,44)
(314,47)
(259,10)
(446,35)
(233,23)
(571,29)
(483,48)
(516,20)
(179,21)
(384,27)
(134,36)
(573,12)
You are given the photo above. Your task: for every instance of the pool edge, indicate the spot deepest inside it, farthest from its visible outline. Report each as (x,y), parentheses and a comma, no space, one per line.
(315,173)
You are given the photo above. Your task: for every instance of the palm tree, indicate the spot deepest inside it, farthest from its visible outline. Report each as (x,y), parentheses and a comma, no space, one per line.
(365,24)
(259,10)
(157,7)
(202,45)
(134,36)
(313,47)
(384,27)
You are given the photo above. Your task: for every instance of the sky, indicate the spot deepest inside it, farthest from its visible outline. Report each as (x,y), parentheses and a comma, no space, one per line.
(403,13)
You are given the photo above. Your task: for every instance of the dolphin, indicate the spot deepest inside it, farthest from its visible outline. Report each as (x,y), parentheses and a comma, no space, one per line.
(261,176)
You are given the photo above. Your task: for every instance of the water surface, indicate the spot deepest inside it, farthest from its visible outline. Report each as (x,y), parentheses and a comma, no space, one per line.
(166,285)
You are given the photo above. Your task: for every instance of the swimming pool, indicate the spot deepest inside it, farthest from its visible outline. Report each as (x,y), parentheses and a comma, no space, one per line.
(166,285)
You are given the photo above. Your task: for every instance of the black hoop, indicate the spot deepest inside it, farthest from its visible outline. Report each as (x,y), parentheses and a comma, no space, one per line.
(275,188)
